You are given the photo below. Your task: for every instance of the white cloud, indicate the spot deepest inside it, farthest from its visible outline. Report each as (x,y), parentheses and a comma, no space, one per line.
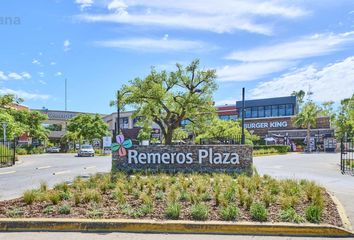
(41,74)
(23,94)
(150,44)
(42,82)
(84,3)
(3,76)
(229,101)
(36,62)
(251,71)
(14,76)
(315,45)
(53,63)
(58,74)
(26,75)
(332,82)
(210,15)
(66,45)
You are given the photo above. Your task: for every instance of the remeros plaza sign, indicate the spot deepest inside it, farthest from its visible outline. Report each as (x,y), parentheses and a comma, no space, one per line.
(187,158)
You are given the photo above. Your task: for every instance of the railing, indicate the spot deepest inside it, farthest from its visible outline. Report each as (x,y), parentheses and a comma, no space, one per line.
(220,141)
(7,153)
(347,155)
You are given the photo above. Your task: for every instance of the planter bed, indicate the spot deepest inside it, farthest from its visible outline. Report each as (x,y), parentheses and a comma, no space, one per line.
(211,197)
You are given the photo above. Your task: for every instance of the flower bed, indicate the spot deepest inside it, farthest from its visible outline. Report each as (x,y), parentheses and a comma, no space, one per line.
(180,196)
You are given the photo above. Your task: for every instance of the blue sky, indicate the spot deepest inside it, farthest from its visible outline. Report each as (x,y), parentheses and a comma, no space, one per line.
(269,47)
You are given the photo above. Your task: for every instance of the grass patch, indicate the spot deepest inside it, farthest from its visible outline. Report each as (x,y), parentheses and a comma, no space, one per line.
(199,212)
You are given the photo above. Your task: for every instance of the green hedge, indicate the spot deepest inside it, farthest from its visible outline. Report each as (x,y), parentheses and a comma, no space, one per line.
(271,148)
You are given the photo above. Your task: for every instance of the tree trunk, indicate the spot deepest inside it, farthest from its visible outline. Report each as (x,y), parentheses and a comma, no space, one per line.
(168,136)
(308,136)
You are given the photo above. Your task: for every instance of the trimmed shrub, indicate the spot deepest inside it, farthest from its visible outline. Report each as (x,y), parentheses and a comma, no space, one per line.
(48,210)
(21,151)
(54,197)
(258,212)
(199,212)
(229,213)
(91,195)
(272,148)
(173,211)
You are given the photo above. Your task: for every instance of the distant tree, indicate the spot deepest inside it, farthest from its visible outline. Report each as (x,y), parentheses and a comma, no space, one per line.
(300,95)
(87,127)
(168,98)
(328,111)
(345,118)
(307,119)
(21,121)
(221,129)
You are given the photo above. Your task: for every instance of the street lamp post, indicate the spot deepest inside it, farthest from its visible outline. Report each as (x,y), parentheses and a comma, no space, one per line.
(118,113)
(4,126)
(243,117)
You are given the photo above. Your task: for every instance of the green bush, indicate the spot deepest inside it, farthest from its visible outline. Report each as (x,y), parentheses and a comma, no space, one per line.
(65,209)
(200,212)
(258,212)
(21,151)
(29,196)
(268,149)
(173,210)
(229,213)
(290,215)
(313,213)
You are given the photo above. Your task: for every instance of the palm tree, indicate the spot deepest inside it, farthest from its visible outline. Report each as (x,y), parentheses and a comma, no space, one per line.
(307,119)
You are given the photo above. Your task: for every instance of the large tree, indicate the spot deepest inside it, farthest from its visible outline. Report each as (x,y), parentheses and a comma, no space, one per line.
(307,119)
(86,127)
(167,98)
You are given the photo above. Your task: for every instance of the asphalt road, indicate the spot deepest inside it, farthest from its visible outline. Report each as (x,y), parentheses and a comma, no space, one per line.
(50,168)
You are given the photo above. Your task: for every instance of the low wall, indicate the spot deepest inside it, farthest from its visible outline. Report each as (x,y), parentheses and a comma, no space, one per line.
(186,158)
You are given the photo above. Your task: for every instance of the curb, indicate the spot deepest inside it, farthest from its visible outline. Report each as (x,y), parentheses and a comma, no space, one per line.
(152,226)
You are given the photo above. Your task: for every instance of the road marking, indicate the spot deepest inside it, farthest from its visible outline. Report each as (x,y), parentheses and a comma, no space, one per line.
(89,167)
(62,172)
(3,173)
(44,167)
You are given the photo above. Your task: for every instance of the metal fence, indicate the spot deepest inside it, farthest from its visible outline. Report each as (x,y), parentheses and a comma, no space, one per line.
(220,141)
(7,153)
(347,155)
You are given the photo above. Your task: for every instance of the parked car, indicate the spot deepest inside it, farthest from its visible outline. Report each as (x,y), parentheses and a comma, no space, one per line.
(53,150)
(86,151)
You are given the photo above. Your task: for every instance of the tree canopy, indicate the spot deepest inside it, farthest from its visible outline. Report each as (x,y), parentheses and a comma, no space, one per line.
(21,121)
(345,118)
(167,98)
(222,129)
(86,127)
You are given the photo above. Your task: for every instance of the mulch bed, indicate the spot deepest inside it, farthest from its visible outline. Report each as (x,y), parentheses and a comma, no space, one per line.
(112,210)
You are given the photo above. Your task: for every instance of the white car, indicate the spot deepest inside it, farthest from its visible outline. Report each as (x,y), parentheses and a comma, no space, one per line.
(86,151)
(53,150)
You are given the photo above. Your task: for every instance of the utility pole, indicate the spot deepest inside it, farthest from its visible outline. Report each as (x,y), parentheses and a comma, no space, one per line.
(118,114)
(243,117)
(4,126)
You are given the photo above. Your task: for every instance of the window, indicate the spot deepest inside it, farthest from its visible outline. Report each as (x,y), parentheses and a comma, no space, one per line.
(260,111)
(281,110)
(185,122)
(248,113)
(224,117)
(254,112)
(233,117)
(275,111)
(124,122)
(267,111)
(53,127)
(289,110)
